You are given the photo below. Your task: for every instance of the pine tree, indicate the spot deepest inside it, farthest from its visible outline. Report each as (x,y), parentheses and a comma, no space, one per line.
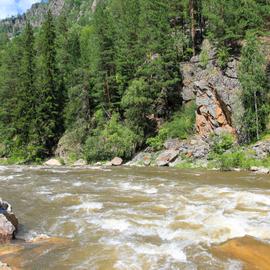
(49,121)
(26,109)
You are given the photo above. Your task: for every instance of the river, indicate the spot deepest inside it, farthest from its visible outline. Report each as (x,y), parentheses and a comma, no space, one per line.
(134,218)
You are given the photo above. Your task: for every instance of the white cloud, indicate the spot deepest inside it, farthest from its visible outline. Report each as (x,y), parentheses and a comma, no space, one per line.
(13,7)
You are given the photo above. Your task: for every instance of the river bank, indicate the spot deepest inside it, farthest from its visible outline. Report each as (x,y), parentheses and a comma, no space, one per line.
(213,153)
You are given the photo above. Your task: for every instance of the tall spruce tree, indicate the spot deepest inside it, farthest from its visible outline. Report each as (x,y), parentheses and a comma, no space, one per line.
(49,120)
(27,99)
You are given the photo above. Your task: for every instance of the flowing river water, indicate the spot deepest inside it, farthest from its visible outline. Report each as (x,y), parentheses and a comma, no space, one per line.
(134,218)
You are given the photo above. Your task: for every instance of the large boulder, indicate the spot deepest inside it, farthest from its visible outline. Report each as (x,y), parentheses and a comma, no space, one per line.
(52,162)
(166,157)
(116,161)
(8,222)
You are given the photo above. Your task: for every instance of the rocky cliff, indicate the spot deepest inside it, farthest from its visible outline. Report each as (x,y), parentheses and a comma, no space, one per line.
(216,92)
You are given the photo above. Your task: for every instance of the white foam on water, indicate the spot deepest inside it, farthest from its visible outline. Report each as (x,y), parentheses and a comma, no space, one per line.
(115,224)
(60,196)
(55,180)
(3,168)
(130,186)
(173,250)
(77,184)
(87,206)
(151,191)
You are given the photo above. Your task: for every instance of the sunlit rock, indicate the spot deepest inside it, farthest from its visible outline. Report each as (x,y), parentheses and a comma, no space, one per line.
(166,157)
(52,162)
(117,161)
(252,252)
(8,222)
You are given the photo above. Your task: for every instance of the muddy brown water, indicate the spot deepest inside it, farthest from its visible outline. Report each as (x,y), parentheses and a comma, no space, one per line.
(134,218)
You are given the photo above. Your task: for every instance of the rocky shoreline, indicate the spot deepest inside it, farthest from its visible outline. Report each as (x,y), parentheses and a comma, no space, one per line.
(194,152)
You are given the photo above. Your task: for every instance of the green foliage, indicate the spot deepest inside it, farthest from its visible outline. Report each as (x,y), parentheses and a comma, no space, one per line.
(255,97)
(229,20)
(238,158)
(221,143)
(115,74)
(223,57)
(181,126)
(204,58)
(109,141)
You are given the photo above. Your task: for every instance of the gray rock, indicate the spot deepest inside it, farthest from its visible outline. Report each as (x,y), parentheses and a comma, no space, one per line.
(260,170)
(52,162)
(172,144)
(166,157)
(8,222)
(116,161)
(262,149)
(213,89)
(142,158)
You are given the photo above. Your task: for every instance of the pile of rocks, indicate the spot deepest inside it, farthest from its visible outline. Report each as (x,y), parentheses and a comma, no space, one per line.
(175,152)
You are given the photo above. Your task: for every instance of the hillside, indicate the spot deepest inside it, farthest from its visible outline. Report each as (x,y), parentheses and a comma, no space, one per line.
(99,79)
(36,14)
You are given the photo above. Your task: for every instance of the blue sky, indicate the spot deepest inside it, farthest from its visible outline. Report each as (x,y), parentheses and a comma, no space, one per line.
(13,7)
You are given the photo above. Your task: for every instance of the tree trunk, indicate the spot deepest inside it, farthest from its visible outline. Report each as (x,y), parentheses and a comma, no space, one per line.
(193,25)
(256,113)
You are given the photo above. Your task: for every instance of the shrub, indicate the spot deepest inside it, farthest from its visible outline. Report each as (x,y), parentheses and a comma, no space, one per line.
(204,58)
(114,139)
(223,57)
(222,143)
(181,126)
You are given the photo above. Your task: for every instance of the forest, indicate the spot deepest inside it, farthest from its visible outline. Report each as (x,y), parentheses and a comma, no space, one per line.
(108,83)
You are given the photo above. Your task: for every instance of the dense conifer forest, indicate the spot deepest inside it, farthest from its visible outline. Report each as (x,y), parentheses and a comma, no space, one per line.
(108,82)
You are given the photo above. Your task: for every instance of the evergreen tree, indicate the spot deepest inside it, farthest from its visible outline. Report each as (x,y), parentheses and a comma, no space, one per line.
(49,121)
(255,88)
(27,99)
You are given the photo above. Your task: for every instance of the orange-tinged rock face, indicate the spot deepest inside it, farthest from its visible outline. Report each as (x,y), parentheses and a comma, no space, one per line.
(211,115)
(253,253)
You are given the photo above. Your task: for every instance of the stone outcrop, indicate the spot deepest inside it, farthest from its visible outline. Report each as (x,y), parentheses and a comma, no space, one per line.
(261,149)
(216,92)
(172,144)
(166,157)
(8,222)
(212,115)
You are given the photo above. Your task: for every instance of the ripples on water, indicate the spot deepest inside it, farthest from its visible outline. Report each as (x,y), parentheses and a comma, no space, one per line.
(136,218)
